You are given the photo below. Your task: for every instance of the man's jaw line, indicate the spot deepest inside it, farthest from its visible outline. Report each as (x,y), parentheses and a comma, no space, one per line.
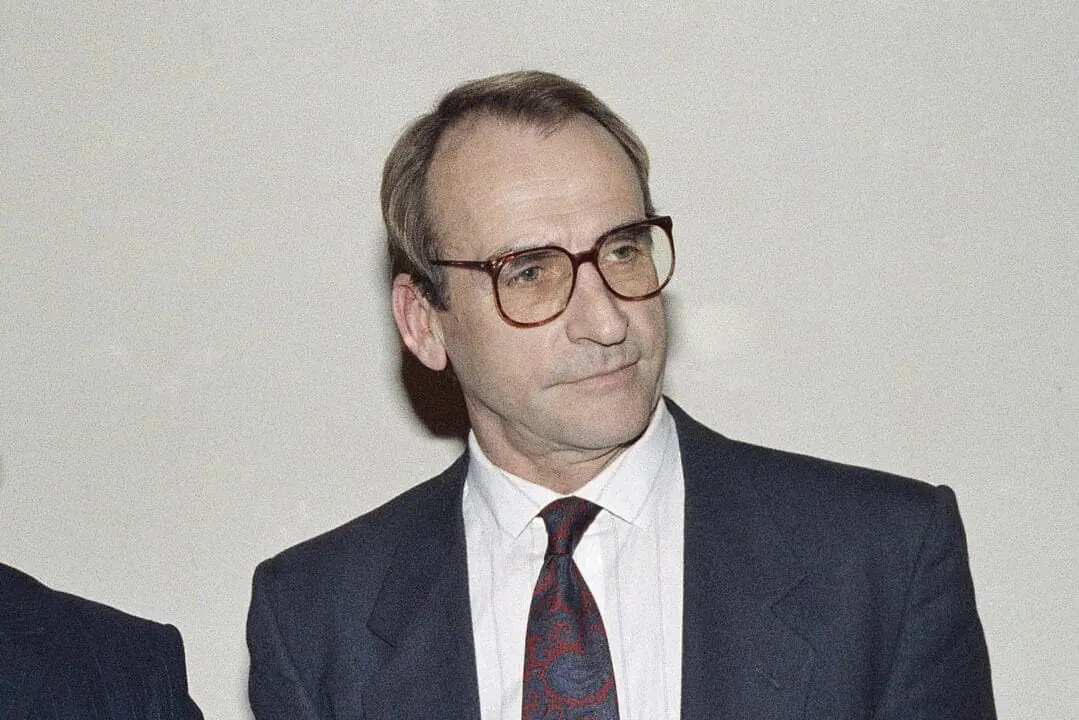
(565,470)
(561,469)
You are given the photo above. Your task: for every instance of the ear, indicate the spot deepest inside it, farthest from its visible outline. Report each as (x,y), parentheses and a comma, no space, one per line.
(418,323)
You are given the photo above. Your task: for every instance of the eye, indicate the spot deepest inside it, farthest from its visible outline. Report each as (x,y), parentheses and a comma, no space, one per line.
(628,246)
(624,251)
(533,268)
(524,276)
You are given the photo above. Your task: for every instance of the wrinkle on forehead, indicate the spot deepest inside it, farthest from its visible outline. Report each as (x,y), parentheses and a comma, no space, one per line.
(489,167)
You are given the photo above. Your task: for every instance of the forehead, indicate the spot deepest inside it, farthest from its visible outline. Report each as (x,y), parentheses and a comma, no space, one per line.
(515,184)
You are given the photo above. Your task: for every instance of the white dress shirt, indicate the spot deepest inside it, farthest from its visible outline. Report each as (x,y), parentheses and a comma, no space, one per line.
(631,558)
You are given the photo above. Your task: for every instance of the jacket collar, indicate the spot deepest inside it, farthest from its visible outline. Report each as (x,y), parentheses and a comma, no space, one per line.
(423,616)
(743,652)
(746,596)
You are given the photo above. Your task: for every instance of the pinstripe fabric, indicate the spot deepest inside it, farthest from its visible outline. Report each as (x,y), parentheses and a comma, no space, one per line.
(65,657)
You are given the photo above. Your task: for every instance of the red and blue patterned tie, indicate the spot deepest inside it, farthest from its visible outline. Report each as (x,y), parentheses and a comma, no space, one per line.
(568,671)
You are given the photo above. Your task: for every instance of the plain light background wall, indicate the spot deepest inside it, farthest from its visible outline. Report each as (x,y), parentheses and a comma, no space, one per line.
(878,228)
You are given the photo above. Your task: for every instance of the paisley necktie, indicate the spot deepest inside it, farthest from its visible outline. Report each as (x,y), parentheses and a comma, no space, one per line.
(568,671)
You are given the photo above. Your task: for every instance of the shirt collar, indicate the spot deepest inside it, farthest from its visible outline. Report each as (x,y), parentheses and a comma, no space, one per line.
(623,488)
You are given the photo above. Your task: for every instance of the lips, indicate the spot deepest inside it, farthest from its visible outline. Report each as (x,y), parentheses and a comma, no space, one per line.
(594,364)
(604,373)
(612,371)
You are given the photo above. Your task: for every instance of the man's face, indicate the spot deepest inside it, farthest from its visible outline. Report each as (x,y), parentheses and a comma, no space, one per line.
(585,383)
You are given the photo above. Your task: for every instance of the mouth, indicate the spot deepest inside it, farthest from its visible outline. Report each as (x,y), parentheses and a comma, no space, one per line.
(611,375)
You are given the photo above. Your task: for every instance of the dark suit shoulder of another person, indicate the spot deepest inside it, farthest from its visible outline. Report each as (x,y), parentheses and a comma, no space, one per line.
(63,656)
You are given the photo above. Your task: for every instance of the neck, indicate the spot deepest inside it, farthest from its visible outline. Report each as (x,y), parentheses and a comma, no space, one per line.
(562,471)
(560,466)
(566,478)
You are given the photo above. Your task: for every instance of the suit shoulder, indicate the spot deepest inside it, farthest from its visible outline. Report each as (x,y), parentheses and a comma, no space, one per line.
(67,613)
(86,626)
(801,486)
(312,601)
(363,544)
(787,473)
(828,512)
(87,650)
(107,621)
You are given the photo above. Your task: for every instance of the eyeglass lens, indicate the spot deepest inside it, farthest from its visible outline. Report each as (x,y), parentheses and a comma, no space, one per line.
(536,285)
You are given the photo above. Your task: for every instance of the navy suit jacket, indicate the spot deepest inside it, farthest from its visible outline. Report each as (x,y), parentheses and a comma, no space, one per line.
(812,590)
(66,658)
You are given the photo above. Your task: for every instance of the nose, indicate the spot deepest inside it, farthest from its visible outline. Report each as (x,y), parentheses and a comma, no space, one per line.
(594,314)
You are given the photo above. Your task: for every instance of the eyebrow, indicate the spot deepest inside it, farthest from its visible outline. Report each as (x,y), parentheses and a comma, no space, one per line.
(514,249)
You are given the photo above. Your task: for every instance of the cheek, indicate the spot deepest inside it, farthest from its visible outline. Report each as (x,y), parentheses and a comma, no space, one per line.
(512,363)
(650,321)
(486,352)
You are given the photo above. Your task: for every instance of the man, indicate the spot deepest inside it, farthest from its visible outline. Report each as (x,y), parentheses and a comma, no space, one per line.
(688,575)
(63,657)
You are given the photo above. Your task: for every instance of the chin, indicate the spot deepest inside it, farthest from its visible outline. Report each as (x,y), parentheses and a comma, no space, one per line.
(610,438)
(608,425)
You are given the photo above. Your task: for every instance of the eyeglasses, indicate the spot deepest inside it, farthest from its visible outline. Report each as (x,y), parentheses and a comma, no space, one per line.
(534,286)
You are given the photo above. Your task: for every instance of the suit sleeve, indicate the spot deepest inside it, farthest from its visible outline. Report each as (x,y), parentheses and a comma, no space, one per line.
(940,670)
(177,697)
(274,686)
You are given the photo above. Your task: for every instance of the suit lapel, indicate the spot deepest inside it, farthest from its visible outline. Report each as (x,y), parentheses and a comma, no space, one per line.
(423,616)
(746,591)
(742,653)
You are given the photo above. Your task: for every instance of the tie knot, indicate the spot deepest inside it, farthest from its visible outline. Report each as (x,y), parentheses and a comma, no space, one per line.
(566,520)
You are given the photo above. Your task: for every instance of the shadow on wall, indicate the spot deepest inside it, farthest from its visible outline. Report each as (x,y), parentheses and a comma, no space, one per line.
(436,398)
